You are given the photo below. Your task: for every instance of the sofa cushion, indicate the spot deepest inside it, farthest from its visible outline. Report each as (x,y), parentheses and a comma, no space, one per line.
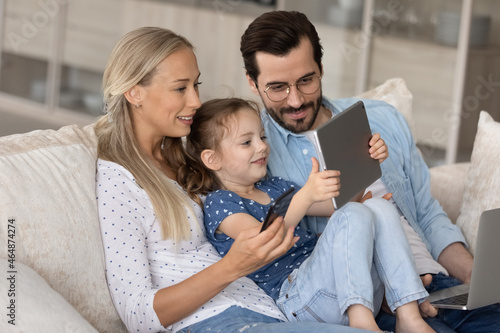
(48,190)
(36,305)
(395,92)
(448,186)
(481,191)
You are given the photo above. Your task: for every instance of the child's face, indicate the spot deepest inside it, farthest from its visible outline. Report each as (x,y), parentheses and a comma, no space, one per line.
(243,150)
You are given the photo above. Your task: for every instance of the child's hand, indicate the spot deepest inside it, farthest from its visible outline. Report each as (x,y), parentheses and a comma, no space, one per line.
(378,149)
(314,198)
(322,185)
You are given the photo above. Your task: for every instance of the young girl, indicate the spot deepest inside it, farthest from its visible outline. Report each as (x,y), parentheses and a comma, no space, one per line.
(338,277)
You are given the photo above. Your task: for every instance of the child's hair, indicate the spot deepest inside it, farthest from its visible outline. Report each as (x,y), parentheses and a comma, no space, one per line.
(210,124)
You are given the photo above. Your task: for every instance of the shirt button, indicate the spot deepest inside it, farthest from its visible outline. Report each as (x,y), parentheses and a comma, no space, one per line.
(305,151)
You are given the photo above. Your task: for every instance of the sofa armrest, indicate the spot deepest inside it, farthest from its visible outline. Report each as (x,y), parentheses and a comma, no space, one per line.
(448,186)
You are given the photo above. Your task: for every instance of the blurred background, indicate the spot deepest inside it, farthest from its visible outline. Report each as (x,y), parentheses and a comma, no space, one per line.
(53,53)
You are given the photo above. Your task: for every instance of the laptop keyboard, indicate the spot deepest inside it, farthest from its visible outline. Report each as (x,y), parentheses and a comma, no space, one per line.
(455,300)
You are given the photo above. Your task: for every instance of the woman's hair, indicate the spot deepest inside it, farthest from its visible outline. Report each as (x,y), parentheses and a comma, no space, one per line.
(133,61)
(277,33)
(210,124)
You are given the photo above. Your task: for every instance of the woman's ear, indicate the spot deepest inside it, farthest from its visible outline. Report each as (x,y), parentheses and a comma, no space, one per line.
(134,95)
(211,159)
(252,84)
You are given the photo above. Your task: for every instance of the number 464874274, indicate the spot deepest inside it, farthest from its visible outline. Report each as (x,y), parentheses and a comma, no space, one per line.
(11,243)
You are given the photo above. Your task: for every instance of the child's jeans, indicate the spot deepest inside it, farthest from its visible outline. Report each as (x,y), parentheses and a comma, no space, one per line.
(362,250)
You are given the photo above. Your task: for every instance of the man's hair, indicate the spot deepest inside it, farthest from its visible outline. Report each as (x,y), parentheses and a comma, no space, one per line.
(277,33)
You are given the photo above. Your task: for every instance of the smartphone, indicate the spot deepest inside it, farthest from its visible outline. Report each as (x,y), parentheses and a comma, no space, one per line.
(278,208)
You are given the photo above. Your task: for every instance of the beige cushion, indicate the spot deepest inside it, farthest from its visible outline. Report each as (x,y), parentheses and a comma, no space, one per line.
(395,92)
(481,192)
(37,307)
(448,186)
(48,186)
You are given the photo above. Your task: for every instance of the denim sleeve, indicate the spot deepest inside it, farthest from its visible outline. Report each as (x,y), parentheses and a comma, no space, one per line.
(407,170)
(437,227)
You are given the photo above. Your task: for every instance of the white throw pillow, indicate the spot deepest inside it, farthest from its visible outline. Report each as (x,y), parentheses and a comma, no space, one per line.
(48,187)
(395,92)
(448,186)
(481,191)
(33,306)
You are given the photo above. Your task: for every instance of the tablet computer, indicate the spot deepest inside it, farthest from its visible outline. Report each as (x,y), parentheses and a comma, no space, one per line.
(342,143)
(278,208)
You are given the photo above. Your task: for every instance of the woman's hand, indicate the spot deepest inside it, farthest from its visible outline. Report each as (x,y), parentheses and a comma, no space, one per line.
(378,149)
(253,249)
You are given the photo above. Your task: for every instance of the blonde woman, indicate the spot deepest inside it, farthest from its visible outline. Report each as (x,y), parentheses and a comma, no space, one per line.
(163,274)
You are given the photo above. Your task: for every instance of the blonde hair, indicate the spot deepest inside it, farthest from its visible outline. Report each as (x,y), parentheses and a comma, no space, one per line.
(133,61)
(210,124)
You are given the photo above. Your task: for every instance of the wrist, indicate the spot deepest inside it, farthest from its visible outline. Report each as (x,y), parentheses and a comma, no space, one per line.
(303,198)
(227,270)
(458,261)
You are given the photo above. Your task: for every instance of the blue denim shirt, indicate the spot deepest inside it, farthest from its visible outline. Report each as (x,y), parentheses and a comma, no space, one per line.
(404,172)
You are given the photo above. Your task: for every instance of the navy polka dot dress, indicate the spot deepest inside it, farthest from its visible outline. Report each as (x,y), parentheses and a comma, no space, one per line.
(222,203)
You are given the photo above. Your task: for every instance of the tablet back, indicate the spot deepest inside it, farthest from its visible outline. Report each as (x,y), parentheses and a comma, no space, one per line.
(342,144)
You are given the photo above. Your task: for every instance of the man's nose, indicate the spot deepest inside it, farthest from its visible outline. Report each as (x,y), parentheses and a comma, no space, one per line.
(295,98)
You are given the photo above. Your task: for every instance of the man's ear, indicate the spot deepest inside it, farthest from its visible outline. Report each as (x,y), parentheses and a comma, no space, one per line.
(134,95)
(252,84)
(211,159)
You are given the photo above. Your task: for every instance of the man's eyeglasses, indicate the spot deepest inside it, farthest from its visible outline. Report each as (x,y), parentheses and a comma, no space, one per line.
(279,92)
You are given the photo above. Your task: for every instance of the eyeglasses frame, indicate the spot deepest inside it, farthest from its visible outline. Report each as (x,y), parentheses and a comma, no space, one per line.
(290,87)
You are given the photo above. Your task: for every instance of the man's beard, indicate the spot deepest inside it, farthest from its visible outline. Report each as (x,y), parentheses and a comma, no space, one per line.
(299,125)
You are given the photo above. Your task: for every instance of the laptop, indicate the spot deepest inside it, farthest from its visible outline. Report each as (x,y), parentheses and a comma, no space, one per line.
(342,143)
(484,288)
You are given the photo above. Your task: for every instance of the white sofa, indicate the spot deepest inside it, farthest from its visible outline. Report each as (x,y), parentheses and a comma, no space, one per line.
(49,228)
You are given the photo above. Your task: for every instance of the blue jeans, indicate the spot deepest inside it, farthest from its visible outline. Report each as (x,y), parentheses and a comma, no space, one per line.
(362,251)
(237,319)
(482,320)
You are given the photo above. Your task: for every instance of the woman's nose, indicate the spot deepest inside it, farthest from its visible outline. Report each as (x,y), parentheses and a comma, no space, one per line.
(194,100)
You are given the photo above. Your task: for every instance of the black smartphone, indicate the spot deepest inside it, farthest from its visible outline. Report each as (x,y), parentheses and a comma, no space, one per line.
(278,208)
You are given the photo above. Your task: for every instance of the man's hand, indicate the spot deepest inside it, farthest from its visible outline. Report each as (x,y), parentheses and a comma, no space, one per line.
(378,149)
(426,309)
